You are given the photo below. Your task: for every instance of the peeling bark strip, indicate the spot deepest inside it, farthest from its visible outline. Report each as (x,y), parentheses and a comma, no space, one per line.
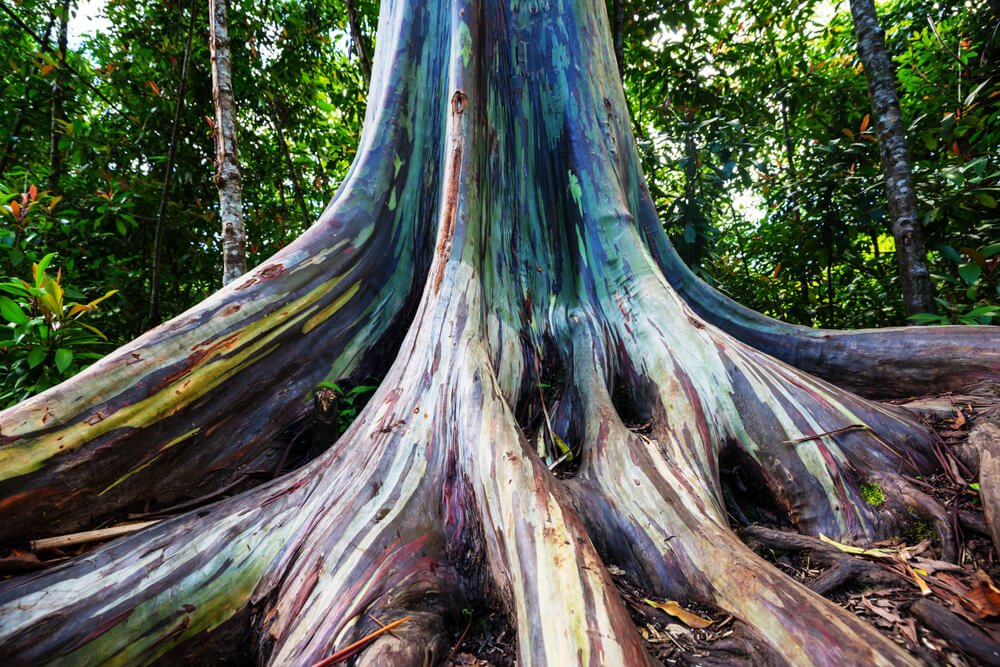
(495,216)
(907,230)
(227,166)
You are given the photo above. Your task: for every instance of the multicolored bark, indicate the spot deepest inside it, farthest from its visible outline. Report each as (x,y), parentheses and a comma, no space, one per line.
(497,182)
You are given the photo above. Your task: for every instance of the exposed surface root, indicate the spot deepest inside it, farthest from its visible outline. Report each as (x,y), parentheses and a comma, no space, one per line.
(844,569)
(964,636)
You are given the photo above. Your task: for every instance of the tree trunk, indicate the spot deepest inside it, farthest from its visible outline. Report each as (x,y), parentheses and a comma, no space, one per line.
(13,137)
(494,230)
(618,34)
(293,174)
(168,174)
(56,130)
(907,230)
(361,44)
(227,166)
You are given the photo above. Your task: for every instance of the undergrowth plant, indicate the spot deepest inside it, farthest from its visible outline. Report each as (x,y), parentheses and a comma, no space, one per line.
(43,338)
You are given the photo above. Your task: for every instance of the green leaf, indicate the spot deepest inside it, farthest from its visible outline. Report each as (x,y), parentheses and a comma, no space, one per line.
(970,272)
(12,312)
(990,250)
(949,253)
(926,318)
(40,268)
(36,356)
(986,199)
(64,358)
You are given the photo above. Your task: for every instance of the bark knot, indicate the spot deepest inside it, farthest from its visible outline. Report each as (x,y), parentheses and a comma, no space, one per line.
(458,102)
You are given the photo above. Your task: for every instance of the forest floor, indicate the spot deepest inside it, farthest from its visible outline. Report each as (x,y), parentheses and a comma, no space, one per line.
(943,613)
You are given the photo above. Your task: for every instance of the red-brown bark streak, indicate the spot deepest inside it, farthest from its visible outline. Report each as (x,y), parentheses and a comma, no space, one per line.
(451,204)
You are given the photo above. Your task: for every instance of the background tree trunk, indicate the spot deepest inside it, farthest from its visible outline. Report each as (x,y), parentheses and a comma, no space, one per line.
(361,43)
(907,230)
(618,34)
(56,131)
(168,174)
(227,167)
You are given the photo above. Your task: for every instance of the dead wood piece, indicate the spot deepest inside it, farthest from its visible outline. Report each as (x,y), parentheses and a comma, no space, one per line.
(982,436)
(88,536)
(15,560)
(964,636)
(989,477)
(943,407)
(843,567)
(973,521)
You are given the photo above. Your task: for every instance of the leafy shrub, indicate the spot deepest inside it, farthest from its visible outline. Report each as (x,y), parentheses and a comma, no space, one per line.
(43,339)
(970,293)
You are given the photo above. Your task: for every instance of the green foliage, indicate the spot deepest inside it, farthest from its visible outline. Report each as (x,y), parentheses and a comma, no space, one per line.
(970,292)
(300,99)
(753,122)
(43,338)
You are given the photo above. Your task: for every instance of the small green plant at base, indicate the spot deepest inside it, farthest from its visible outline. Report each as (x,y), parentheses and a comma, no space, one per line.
(350,402)
(872,493)
(43,339)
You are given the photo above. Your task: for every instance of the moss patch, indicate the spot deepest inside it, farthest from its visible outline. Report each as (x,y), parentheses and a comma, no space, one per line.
(872,493)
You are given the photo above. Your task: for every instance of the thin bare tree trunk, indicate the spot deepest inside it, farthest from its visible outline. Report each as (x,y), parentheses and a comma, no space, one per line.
(227,166)
(911,252)
(618,35)
(360,41)
(15,128)
(279,132)
(58,95)
(161,212)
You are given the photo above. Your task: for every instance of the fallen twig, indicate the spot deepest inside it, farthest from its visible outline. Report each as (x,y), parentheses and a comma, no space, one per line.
(348,651)
(89,536)
(458,643)
(837,431)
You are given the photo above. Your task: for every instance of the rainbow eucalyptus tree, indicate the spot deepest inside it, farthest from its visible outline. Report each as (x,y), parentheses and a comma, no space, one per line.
(494,232)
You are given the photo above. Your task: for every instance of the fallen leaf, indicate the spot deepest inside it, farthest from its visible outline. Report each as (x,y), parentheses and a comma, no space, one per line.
(908,629)
(690,619)
(18,561)
(985,596)
(858,551)
(917,579)
(931,566)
